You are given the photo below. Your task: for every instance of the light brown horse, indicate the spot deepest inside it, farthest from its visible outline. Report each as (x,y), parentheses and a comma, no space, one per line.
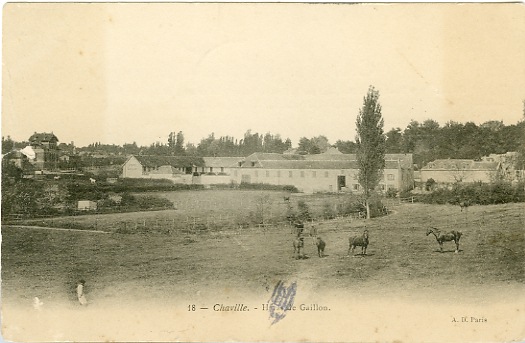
(445,237)
(298,248)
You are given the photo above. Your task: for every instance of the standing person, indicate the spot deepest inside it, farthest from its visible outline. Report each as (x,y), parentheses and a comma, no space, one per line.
(80,293)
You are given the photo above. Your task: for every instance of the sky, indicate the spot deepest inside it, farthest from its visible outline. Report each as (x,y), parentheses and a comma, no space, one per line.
(131,72)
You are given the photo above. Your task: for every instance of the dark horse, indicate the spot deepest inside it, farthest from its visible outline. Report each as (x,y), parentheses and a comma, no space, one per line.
(361,241)
(320,246)
(445,237)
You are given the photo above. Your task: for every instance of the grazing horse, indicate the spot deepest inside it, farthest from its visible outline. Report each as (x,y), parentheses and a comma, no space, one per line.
(361,241)
(464,205)
(320,246)
(445,237)
(298,248)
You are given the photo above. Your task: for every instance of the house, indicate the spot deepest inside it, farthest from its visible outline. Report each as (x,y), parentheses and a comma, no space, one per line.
(179,169)
(45,146)
(326,172)
(451,171)
(510,169)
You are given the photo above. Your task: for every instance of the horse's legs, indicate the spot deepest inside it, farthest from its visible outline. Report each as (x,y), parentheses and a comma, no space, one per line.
(441,246)
(364,250)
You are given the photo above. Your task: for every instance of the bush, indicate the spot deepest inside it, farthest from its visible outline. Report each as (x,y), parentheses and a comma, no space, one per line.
(328,211)
(391,193)
(268,187)
(291,215)
(304,211)
(477,193)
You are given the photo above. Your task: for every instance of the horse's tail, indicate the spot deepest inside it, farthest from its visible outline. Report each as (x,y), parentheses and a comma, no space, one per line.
(458,234)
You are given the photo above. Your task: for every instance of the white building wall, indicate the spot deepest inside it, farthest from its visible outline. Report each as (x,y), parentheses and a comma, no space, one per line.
(132,169)
(306,180)
(452,176)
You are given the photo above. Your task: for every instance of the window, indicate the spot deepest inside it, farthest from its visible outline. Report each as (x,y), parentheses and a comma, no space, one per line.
(325,174)
(267,173)
(211,169)
(314,173)
(253,164)
(356,187)
(290,173)
(222,169)
(390,177)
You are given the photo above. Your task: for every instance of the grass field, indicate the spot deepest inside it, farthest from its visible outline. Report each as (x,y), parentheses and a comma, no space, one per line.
(210,209)
(170,270)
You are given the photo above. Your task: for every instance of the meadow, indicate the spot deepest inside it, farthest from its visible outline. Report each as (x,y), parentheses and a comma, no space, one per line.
(174,269)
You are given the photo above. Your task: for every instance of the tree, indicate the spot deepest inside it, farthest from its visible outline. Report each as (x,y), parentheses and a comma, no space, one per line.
(394,141)
(7,145)
(370,145)
(172,140)
(179,144)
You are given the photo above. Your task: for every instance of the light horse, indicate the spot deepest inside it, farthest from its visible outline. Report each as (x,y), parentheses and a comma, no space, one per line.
(298,247)
(361,241)
(445,237)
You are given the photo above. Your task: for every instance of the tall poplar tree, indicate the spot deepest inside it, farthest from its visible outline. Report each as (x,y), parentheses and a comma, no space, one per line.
(371,145)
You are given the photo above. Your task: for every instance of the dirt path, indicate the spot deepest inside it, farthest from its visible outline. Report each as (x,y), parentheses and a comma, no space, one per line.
(49,228)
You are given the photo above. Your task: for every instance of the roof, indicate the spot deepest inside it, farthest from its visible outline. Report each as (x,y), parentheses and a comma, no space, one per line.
(42,137)
(151,161)
(332,151)
(319,161)
(271,156)
(455,164)
(312,164)
(218,162)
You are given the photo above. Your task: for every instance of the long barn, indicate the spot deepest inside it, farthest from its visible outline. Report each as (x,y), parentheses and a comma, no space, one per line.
(328,172)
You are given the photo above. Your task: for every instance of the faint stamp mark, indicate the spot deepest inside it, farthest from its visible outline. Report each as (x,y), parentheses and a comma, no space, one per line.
(281,301)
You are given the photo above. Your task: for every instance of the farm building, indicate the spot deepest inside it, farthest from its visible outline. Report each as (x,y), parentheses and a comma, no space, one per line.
(219,165)
(331,171)
(176,168)
(450,171)
(46,150)
(510,168)
(87,205)
(327,172)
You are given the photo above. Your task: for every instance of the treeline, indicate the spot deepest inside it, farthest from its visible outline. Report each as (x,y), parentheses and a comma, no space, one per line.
(427,141)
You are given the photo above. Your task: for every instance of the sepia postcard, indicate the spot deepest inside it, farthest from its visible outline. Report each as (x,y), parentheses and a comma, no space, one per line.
(263,172)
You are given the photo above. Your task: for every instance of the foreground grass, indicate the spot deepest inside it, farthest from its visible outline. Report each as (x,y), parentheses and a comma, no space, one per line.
(47,263)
